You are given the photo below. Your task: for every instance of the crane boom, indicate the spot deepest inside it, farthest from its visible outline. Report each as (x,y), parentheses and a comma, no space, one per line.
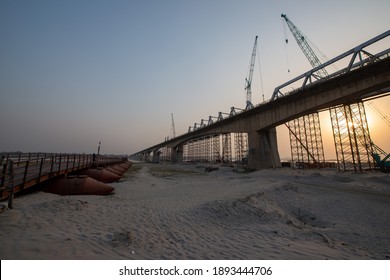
(311,150)
(173,127)
(248,81)
(305,47)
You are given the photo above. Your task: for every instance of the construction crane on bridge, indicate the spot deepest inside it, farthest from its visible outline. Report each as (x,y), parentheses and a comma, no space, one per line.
(357,152)
(248,81)
(305,132)
(305,47)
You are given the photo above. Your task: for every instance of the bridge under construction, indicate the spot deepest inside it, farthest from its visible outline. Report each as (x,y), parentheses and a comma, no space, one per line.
(249,135)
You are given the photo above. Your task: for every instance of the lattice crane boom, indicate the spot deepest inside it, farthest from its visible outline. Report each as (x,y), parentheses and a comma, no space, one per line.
(305,47)
(173,127)
(305,132)
(248,81)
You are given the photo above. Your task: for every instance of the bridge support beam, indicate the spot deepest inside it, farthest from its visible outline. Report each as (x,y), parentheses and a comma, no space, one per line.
(177,154)
(263,149)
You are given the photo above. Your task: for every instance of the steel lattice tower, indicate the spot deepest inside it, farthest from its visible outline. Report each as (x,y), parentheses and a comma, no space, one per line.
(185,152)
(309,136)
(240,145)
(352,137)
(226,148)
(306,142)
(216,148)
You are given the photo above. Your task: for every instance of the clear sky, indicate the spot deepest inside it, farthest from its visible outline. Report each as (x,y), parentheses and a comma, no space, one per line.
(76,72)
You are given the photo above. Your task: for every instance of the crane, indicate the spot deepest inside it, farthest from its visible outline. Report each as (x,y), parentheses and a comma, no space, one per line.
(248,81)
(173,127)
(309,136)
(382,163)
(305,47)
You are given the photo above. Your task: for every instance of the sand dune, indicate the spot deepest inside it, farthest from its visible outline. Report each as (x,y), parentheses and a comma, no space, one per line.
(182,212)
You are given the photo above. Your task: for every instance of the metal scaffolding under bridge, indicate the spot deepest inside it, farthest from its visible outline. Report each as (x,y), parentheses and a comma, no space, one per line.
(352,139)
(224,148)
(306,142)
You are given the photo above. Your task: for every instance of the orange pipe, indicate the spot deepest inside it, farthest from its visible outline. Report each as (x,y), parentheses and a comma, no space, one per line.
(78,186)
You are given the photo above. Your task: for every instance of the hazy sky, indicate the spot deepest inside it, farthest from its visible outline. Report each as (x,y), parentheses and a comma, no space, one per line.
(74,72)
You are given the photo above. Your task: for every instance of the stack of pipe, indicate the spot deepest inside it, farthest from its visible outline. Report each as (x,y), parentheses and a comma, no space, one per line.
(101,175)
(119,169)
(90,181)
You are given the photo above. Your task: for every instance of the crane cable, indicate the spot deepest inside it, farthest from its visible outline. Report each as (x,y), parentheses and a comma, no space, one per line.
(322,57)
(286,40)
(379,112)
(261,77)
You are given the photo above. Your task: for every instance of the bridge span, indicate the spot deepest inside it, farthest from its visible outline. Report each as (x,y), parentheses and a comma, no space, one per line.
(362,78)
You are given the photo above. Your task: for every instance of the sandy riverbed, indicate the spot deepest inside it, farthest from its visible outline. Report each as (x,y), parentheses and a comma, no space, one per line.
(182,212)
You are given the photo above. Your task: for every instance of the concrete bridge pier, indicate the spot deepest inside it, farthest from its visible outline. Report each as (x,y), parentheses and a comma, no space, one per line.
(263,149)
(177,154)
(156,156)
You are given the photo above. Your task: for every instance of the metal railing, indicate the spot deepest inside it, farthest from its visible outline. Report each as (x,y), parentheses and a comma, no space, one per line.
(19,171)
(311,78)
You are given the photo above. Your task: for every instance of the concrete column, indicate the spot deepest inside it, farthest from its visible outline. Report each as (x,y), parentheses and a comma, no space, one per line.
(263,149)
(177,154)
(156,156)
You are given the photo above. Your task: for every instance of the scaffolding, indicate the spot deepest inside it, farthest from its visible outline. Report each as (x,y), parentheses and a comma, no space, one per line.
(185,152)
(306,142)
(189,151)
(306,131)
(203,148)
(240,146)
(196,150)
(226,148)
(352,137)
(165,154)
(216,148)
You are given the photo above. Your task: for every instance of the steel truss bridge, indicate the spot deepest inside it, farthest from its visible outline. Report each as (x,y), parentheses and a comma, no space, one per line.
(249,135)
